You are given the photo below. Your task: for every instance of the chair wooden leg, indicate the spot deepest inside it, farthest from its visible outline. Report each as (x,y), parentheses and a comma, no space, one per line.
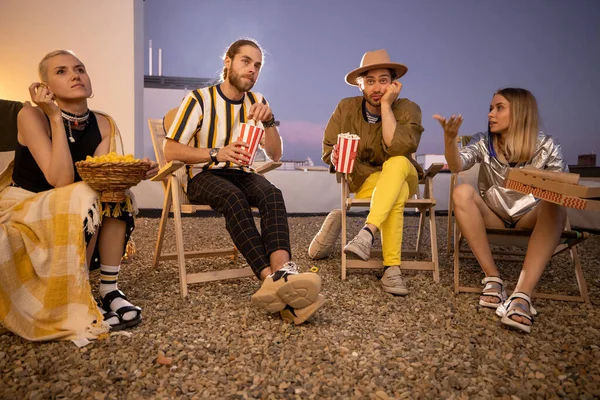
(456,258)
(450,223)
(450,214)
(179,239)
(420,231)
(434,248)
(343,239)
(581,283)
(163,224)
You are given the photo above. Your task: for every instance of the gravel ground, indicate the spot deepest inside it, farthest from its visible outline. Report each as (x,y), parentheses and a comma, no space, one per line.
(363,344)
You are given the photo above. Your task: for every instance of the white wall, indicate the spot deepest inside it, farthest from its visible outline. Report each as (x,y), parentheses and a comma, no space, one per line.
(427,159)
(303,192)
(106,35)
(156,104)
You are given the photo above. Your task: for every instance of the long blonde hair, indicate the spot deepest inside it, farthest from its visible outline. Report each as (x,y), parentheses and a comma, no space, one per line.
(43,67)
(523,128)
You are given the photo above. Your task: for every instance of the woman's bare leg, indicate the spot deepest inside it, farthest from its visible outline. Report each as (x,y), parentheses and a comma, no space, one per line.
(473,216)
(548,221)
(111,243)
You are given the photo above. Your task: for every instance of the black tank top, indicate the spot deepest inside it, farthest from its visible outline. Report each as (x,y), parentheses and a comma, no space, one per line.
(28,175)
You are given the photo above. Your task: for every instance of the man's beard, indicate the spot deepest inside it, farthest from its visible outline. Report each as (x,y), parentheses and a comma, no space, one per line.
(371,102)
(236,81)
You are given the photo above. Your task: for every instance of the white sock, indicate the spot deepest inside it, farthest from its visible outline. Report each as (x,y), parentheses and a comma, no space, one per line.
(108,282)
(111,321)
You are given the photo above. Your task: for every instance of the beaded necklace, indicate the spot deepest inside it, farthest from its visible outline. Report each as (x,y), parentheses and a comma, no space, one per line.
(70,119)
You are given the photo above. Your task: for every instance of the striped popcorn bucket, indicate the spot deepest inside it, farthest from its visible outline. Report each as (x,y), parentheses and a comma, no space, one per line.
(347,145)
(252,135)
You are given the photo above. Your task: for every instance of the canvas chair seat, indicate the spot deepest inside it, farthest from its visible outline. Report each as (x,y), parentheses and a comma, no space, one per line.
(425,205)
(172,175)
(509,237)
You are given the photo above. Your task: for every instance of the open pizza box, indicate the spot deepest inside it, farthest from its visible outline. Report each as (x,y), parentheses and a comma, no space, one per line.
(556,187)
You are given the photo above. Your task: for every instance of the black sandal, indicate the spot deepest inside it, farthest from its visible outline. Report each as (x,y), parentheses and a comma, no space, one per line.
(124,323)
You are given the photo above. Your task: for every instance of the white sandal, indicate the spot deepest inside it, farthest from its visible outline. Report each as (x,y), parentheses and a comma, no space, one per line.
(501,295)
(503,308)
(508,312)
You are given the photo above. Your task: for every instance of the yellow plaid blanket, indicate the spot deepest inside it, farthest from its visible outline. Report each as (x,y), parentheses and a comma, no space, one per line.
(45,292)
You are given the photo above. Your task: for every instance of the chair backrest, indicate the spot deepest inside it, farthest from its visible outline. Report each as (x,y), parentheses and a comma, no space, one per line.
(158,133)
(169,118)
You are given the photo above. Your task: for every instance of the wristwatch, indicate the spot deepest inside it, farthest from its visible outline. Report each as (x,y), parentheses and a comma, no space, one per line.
(213,155)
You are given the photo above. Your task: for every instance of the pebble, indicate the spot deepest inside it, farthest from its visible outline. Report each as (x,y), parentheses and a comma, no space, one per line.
(362,344)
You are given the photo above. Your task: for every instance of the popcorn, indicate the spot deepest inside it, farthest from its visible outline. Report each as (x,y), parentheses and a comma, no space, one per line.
(111,157)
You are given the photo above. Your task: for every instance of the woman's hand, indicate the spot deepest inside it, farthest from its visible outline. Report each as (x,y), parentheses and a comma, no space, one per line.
(153,168)
(450,126)
(43,97)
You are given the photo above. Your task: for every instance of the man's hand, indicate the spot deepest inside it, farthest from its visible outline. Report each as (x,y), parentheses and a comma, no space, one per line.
(391,93)
(450,126)
(334,155)
(43,97)
(260,112)
(234,152)
(153,168)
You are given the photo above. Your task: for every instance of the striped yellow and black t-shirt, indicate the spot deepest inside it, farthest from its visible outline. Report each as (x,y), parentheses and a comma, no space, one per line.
(208,119)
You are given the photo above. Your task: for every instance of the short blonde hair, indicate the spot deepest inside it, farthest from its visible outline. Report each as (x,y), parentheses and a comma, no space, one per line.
(43,67)
(523,127)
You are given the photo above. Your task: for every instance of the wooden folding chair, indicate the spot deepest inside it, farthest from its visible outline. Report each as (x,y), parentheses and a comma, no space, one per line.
(515,238)
(425,205)
(172,174)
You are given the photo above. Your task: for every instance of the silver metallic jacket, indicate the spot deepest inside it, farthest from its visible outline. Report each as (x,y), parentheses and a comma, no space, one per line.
(508,204)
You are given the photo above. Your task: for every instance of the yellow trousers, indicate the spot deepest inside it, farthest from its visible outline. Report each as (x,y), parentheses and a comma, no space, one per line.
(389,190)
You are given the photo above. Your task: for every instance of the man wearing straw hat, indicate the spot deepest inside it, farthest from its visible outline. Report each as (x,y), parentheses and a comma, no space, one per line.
(205,133)
(390,130)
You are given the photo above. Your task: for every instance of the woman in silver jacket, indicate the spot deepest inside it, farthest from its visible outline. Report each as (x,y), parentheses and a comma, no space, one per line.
(513,140)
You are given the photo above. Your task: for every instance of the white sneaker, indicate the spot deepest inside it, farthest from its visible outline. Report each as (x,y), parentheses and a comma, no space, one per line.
(287,286)
(324,241)
(360,246)
(392,282)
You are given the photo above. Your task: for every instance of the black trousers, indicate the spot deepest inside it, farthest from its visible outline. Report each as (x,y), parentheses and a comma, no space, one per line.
(233,193)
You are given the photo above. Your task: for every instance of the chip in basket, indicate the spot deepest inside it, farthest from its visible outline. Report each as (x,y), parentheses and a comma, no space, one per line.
(111,174)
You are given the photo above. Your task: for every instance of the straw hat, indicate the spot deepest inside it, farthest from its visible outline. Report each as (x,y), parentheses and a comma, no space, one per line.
(375,60)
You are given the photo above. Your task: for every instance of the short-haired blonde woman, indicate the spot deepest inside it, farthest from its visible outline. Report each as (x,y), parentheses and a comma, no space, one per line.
(53,227)
(513,140)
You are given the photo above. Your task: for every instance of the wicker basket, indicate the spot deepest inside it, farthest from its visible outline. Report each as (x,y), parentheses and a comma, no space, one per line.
(111,179)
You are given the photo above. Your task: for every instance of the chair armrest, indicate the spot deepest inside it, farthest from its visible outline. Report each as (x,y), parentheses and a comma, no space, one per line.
(167,170)
(433,170)
(270,166)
